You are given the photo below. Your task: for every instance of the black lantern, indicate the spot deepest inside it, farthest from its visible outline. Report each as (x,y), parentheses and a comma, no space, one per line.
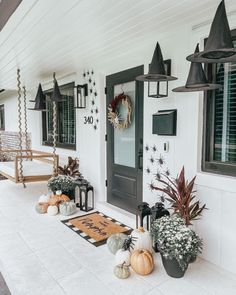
(143,211)
(158,211)
(157,76)
(80,96)
(40,100)
(86,198)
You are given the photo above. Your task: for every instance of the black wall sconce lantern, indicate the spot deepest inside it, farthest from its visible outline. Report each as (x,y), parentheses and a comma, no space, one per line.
(86,198)
(158,75)
(81,93)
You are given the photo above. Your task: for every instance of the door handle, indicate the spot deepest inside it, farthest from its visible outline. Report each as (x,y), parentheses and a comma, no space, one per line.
(140,161)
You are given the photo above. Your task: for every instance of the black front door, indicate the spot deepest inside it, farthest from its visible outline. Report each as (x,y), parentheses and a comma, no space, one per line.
(125,147)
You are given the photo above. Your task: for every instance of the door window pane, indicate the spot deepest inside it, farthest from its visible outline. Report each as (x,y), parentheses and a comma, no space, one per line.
(124,140)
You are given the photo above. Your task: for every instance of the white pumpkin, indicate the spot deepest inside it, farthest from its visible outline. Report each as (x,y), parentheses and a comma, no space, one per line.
(122,256)
(142,239)
(59,193)
(43,199)
(52,210)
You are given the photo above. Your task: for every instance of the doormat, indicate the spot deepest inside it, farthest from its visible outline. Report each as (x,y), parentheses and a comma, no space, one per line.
(96,227)
(3,286)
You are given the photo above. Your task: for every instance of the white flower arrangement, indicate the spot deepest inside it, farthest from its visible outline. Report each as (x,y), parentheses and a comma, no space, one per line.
(175,239)
(61,183)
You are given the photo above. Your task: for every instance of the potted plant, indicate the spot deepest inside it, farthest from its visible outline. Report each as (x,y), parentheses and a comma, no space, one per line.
(71,169)
(181,196)
(176,242)
(65,184)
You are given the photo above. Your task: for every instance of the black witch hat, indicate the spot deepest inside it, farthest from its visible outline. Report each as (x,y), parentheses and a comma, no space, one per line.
(56,95)
(219,46)
(157,70)
(40,100)
(197,80)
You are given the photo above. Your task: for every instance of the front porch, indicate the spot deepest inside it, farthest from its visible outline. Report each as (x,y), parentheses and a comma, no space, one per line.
(39,255)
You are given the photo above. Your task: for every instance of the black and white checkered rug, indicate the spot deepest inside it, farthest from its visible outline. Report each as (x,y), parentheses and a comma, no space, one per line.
(127,229)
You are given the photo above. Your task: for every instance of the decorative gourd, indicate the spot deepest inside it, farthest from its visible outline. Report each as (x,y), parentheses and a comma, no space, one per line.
(54,201)
(67,208)
(63,198)
(123,256)
(115,242)
(142,262)
(41,208)
(52,210)
(121,271)
(59,192)
(43,199)
(143,239)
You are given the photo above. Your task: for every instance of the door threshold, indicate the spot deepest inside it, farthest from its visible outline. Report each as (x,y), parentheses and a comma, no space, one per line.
(117,213)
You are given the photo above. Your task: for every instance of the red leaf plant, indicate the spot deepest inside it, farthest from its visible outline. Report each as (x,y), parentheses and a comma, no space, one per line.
(181,195)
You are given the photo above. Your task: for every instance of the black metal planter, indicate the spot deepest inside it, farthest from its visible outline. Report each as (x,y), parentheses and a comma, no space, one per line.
(172,267)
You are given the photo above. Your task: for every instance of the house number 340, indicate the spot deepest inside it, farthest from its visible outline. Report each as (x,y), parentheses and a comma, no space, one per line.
(88,119)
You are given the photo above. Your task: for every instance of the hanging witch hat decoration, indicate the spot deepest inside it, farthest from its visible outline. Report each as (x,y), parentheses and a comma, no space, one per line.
(56,95)
(197,80)
(40,100)
(157,72)
(219,47)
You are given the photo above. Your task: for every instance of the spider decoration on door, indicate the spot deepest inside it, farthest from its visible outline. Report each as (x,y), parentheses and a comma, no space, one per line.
(89,78)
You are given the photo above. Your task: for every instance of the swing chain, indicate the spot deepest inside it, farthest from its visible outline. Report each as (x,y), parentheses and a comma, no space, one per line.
(21,178)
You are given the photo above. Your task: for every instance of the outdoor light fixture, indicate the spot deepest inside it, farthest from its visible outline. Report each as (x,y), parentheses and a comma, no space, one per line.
(40,100)
(86,198)
(219,47)
(157,77)
(81,92)
(197,80)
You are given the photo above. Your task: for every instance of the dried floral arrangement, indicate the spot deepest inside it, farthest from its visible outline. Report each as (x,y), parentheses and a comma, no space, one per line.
(71,168)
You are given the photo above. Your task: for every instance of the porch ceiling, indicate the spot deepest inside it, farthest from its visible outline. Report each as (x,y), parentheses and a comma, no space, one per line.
(62,36)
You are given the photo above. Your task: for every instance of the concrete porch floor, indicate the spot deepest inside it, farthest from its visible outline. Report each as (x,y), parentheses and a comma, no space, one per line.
(39,255)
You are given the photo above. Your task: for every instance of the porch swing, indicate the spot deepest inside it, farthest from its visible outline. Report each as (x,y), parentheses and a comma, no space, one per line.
(30,165)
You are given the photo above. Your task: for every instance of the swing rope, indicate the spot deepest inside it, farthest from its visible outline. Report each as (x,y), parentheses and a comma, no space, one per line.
(21,178)
(25,119)
(54,132)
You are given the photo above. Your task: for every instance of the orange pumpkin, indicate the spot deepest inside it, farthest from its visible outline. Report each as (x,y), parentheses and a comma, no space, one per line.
(142,262)
(54,201)
(57,199)
(63,198)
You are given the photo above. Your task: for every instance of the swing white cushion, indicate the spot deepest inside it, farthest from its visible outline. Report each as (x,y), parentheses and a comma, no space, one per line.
(30,168)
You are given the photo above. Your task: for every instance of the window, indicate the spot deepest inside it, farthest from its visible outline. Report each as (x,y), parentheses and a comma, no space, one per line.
(219,152)
(66,131)
(2,117)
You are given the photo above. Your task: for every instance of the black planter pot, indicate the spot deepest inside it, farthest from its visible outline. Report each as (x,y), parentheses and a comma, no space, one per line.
(192,258)
(172,267)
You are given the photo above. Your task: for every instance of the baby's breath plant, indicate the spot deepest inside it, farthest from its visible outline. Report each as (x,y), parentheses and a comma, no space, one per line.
(61,183)
(175,239)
